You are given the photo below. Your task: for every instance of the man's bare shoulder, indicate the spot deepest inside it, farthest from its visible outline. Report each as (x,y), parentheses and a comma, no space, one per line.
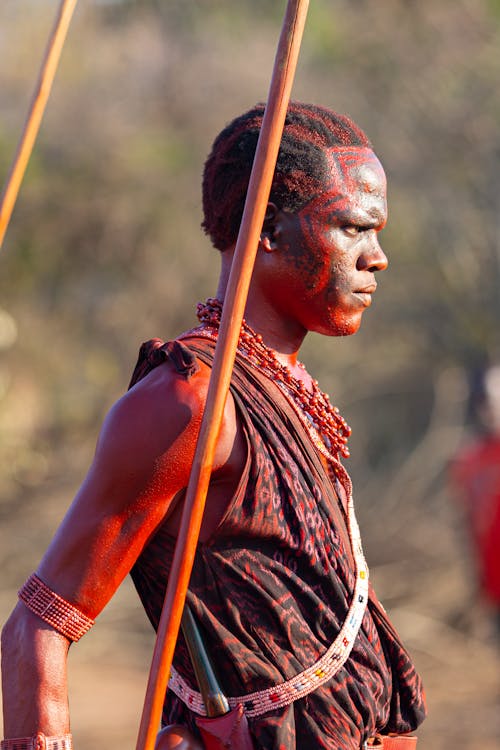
(158,410)
(165,388)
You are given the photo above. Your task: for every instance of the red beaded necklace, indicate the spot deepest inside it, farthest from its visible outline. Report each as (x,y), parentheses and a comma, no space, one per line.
(313,405)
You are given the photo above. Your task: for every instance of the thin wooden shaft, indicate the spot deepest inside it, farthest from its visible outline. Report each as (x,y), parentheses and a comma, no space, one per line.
(232,316)
(35,113)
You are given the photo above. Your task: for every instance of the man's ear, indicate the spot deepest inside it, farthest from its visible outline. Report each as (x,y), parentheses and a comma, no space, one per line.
(268,234)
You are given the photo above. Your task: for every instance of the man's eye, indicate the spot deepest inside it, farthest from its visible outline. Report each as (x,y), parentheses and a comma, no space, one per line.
(351,230)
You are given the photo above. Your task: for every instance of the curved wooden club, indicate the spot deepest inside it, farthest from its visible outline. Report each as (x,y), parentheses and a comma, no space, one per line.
(232,316)
(35,113)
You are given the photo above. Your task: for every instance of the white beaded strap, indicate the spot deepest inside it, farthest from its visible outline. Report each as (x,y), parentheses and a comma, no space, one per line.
(38,742)
(257,703)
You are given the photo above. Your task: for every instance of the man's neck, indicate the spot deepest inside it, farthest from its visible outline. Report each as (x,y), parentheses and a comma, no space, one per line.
(282,334)
(258,342)
(278,333)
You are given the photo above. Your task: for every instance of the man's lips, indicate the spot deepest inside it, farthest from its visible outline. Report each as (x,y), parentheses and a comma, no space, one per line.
(369,289)
(365,294)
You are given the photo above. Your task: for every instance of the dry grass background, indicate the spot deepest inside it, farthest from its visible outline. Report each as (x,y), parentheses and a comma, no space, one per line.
(105,251)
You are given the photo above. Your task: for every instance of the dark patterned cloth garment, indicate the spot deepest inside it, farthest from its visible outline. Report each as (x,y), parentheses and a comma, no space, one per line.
(271,588)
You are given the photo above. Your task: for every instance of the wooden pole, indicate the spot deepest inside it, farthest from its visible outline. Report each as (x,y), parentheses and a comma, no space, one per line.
(35,114)
(225,352)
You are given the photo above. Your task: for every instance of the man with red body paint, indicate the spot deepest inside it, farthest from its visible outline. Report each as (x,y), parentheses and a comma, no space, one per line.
(278,578)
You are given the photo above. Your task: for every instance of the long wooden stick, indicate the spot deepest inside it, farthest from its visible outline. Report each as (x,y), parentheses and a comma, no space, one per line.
(232,316)
(35,113)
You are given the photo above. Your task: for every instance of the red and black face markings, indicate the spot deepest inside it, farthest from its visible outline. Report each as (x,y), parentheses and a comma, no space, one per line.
(328,250)
(353,196)
(354,174)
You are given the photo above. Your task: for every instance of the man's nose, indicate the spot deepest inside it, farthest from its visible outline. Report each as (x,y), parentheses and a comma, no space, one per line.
(372,257)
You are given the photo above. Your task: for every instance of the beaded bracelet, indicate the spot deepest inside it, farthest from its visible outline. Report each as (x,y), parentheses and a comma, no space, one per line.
(38,742)
(53,609)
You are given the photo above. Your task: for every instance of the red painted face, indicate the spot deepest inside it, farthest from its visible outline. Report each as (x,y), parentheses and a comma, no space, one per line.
(331,248)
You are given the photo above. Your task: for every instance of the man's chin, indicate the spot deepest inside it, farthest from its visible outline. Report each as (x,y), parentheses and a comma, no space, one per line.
(341,328)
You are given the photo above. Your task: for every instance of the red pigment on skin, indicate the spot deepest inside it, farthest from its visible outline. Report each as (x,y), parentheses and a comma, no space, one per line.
(332,242)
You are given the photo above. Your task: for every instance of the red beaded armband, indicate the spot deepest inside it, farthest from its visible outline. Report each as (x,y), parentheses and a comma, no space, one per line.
(38,742)
(54,610)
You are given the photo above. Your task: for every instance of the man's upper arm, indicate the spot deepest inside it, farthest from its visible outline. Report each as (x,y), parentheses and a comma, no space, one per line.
(143,458)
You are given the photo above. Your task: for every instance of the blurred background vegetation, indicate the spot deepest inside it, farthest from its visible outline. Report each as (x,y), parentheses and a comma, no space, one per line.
(105,251)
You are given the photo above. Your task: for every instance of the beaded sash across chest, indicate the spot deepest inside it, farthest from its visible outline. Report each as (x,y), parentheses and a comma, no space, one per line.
(329,433)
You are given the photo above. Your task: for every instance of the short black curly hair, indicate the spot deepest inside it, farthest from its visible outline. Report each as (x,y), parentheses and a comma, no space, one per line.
(300,169)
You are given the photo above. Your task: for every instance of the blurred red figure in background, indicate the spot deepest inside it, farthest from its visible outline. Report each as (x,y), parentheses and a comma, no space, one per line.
(476,475)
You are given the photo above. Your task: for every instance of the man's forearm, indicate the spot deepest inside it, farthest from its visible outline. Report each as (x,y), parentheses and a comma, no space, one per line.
(34,682)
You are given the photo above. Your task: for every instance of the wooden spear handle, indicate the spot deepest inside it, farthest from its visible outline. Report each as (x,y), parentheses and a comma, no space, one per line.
(225,352)
(35,114)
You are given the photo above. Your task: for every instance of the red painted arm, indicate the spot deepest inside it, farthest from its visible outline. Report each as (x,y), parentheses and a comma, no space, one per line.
(142,461)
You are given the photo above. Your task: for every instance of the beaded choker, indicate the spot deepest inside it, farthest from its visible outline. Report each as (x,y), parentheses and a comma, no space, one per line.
(327,427)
